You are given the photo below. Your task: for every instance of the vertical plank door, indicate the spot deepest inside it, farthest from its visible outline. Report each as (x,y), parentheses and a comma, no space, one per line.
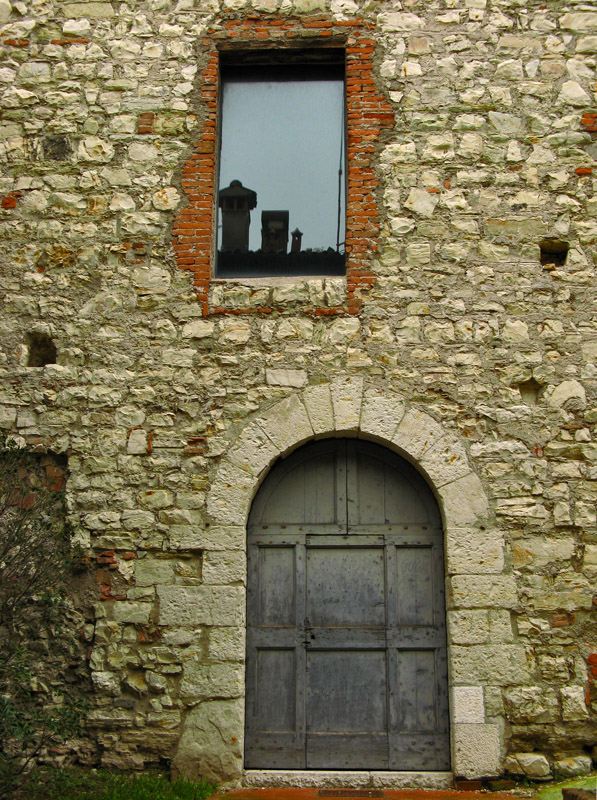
(346,650)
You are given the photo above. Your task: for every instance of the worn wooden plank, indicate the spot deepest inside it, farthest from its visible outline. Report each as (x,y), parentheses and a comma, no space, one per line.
(346,645)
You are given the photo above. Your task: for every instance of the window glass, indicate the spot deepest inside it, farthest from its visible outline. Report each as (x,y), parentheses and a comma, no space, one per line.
(281,200)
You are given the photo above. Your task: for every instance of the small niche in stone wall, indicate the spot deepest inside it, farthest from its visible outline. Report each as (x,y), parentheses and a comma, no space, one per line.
(553,253)
(529,391)
(42,350)
(56,148)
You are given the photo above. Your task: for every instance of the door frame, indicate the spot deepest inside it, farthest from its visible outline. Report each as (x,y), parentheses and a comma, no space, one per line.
(347,407)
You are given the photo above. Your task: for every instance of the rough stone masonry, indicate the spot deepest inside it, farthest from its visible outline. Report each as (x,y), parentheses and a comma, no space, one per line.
(463,336)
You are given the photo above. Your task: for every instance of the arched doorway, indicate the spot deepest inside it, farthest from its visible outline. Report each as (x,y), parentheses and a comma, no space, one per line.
(346,642)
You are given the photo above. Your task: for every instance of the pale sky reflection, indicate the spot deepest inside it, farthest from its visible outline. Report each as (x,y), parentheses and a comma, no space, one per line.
(284,140)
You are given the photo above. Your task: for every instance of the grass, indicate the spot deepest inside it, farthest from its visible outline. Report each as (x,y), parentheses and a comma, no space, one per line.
(91,784)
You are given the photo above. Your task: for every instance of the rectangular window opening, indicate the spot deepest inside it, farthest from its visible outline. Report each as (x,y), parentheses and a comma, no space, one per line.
(282,164)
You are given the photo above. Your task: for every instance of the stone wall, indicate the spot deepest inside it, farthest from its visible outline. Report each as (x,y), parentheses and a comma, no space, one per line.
(459,339)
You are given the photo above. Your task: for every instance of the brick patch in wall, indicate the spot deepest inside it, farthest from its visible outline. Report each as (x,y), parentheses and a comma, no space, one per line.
(368,114)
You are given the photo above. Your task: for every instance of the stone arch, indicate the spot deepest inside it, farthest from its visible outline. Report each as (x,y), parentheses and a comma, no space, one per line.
(346,408)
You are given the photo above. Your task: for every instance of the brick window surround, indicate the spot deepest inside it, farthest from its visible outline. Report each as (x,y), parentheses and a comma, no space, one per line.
(367,111)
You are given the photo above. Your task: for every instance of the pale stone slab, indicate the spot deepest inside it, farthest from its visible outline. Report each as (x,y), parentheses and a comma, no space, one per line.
(228,537)
(296,378)
(261,778)
(468,704)
(464,501)
(88,10)
(347,396)
(574,704)
(380,415)
(230,496)
(495,664)
(224,568)
(318,402)
(182,606)
(253,451)
(468,626)
(474,552)
(286,424)
(479,591)
(417,432)
(211,745)
(477,750)
(212,680)
(445,461)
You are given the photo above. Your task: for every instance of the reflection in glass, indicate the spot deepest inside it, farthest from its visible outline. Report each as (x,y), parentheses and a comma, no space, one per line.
(281,200)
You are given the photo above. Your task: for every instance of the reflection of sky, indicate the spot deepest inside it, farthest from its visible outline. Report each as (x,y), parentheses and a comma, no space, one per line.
(283,140)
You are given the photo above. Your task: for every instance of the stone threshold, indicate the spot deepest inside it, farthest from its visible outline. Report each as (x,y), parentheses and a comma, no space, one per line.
(307,779)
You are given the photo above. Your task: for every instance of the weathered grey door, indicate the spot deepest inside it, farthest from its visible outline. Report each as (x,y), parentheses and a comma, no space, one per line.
(346,644)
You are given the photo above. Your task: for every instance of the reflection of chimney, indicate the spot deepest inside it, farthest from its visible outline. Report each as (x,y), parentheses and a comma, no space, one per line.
(236,203)
(274,231)
(297,237)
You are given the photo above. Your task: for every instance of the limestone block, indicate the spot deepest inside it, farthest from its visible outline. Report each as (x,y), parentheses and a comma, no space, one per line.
(580,21)
(212,680)
(227,644)
(125,611)
(211,745)
(91,10)
(135,519)
(287,424)
(253,451)
(497,664)
(421,202)
(151,280)
(286,377)
(400,21)
(477,750)
(8,416)
(92,148)
(230,495)
(380,415)
(464,501)
(106,683)
(150,571)
(318,403)
(417,433)
(137,443)
(468,704)
(183,606)
(533,765)
(570,395)
(215,537)
(343,330)
(540,551)
(468,626)
(445,461)
(573,765)
(478,591)
(5,9)
(474,552)
(156,498)
(573,94)
(528,704)
(573,703)
(198,329)
(220,567)
(235,331)
(347,397)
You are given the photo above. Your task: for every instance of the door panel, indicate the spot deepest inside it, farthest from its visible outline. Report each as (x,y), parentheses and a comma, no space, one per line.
(346,646)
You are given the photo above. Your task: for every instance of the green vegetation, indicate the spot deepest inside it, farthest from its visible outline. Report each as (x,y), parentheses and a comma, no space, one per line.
(37,642)
(79,784)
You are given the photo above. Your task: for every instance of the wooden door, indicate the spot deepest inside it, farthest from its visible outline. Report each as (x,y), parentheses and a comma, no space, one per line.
(346,643)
